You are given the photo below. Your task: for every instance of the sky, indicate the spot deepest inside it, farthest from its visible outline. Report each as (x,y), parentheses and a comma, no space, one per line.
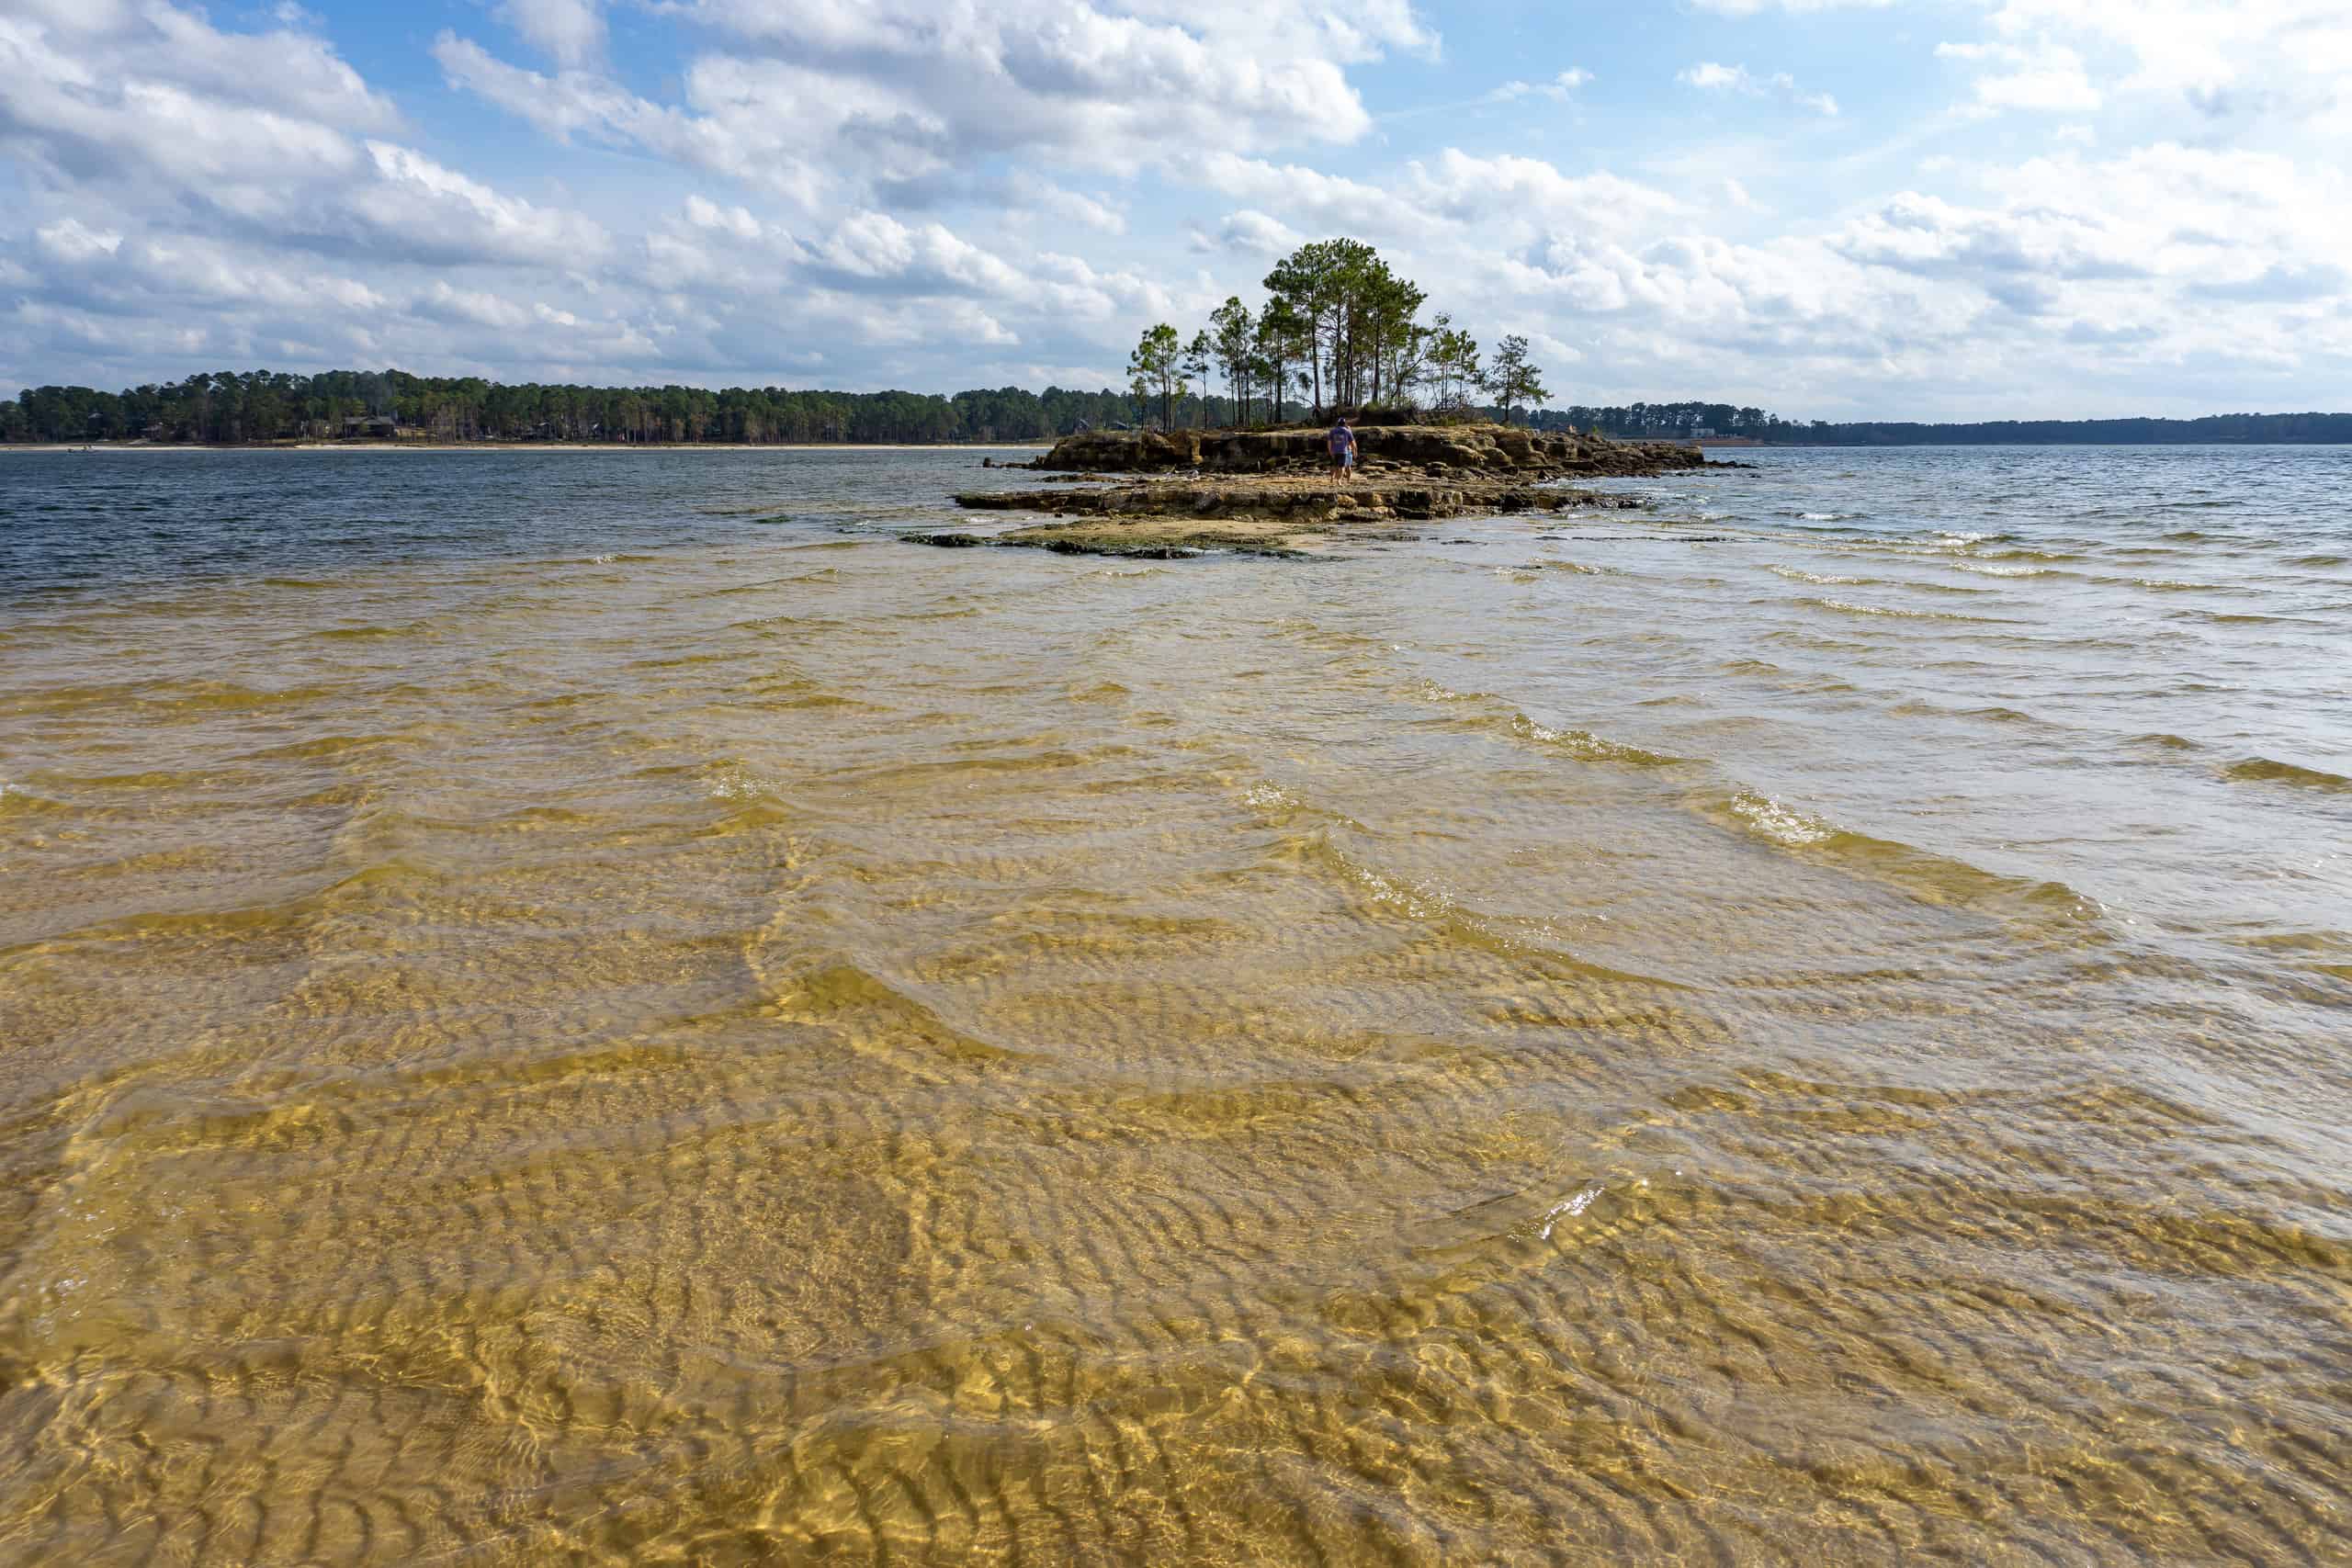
(1830,208)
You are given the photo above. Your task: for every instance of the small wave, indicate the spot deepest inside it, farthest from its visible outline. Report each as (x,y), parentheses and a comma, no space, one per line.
(1782,824)
(1847,607)
(1982,569)
(2027,553)
(1269,797)
(2166,741)
(1924,875)
(1919,708)
(2265,770)
(1825,580)
(2318,560)
(1587,747)
(1572,1206)
(1428,691)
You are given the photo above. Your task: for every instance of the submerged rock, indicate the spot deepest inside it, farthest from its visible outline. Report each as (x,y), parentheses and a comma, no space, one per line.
(1271,515)
(1297,498)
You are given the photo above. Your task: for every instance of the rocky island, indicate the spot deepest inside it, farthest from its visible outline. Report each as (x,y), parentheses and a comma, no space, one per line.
(1169,494)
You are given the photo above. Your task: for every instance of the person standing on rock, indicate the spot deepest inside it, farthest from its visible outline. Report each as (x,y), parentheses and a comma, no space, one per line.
(1343,441)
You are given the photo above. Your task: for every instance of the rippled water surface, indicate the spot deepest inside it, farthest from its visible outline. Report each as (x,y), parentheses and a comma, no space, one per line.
(600,1008)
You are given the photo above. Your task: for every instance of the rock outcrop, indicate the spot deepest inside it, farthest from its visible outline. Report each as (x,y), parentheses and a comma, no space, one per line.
(1265,515)
(1269,490)
(1436,450)
(1374,499)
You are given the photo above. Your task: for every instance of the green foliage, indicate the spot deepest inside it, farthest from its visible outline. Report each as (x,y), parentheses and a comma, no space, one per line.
(1513,380)
(1282,338)
(1157,363)
(1199,355)
(1452,363)
(261,406)
(1232,339)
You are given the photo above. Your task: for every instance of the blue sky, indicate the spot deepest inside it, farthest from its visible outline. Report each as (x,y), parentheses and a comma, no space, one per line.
(1924,209)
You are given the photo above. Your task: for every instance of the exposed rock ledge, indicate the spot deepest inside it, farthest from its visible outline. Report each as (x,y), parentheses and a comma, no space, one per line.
(1270,491)
(1438,451)
(1274,515)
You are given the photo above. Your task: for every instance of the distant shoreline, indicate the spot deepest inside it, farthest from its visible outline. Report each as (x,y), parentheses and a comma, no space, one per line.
(98,446)
(53,448)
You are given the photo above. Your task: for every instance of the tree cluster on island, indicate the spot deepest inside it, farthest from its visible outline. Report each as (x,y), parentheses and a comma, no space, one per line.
(1340,329)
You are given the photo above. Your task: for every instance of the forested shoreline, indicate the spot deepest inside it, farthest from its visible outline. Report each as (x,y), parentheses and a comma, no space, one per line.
(233,408)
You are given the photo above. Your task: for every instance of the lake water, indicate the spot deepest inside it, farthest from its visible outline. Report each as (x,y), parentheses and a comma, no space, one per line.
(600,1008)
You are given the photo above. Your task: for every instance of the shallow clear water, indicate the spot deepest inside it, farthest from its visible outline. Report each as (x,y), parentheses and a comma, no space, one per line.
(599,1007)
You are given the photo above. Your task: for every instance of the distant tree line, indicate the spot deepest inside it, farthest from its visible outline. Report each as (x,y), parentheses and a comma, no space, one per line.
(2300,429)
(260,406)
(1690,421)
(1358,349)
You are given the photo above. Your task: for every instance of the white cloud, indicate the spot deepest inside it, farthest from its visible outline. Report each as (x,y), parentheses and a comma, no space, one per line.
(68,240)
(1558,89)
(1044,197)
(940,193)
(2225,59)
(839,102)
(704,213)
(477,305)
(435,210)
(1253,233)
(2047,76)
(571,32)
(1800,7)
(1714,77)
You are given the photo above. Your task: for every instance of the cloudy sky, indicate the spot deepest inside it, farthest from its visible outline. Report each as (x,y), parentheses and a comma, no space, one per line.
(1934,209)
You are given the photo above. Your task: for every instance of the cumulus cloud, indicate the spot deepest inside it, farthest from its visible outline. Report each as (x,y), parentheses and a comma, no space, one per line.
(851,103)
(940,193)
(1043,197)
(569,32)
(1251,234)
(2046,77)
(2286,57)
